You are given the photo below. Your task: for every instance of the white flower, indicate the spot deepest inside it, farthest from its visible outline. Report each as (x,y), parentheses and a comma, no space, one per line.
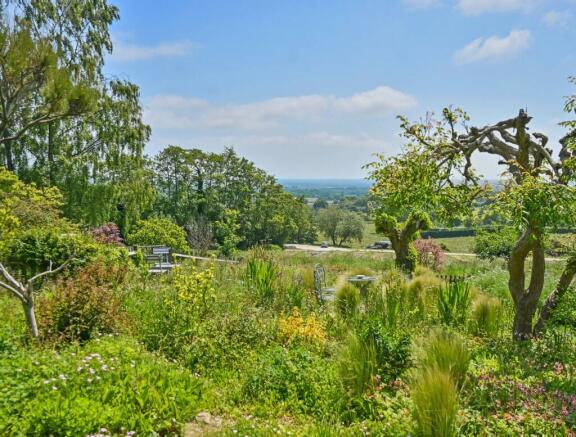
(54,387)
(62,377)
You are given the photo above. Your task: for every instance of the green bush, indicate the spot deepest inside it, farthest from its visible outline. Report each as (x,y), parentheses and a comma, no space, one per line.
(392,350)
(494,244)
(109,384)
(294,380)
(445,351)
(36,249)
(347,300)
(435,403)
(158,232)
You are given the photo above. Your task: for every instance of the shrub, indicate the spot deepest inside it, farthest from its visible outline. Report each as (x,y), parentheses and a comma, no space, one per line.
(435,403)
(79,307)
(494,244)
(158,232)
(111,384)
(347,300)
(453,302)
(298,329)
(107,234)
(430,254)
(392,350)
(295,380)
(486,314)
(35,250)
(445,351)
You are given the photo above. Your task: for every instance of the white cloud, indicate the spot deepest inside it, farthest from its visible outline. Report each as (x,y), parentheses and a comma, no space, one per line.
(126,52)
(493,47)
(422,4)
(180,112)
(477,7)
(557,19)
(382,99)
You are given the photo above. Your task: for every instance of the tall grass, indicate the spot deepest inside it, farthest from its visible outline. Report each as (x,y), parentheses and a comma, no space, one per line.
(486,315)
(261,274)
(435,403)
(347,300)
(453,302)
(357,365)
(446,351)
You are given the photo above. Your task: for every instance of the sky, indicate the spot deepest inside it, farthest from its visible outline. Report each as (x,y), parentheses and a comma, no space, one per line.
(312,88)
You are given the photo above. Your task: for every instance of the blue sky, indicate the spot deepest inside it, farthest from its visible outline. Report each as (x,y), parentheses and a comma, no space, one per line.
(311,88)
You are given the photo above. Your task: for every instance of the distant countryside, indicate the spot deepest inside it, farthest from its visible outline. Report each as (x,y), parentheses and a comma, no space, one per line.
(318,219)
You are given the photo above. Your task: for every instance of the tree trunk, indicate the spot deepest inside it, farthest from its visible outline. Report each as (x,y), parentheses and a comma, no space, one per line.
(526,299)
(30,317)
(552,300)
(8,155)
(404,259)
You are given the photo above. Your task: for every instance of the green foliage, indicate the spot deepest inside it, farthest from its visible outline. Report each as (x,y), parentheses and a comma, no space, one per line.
(261,275)
(358,364)
(84,306)
(445,351)
(108,384)
(453,302)
(35,250)
(347,300)
(340,225)
(392,350)
(435,401)
(193,185)
(295,380)
(23,206)
(226,232)
(159,232)
(495,244)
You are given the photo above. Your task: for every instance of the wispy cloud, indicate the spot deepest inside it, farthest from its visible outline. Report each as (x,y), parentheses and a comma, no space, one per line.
(558,19)
(493,47)
(477,7)
(127,52)
(181,112)
(422,4)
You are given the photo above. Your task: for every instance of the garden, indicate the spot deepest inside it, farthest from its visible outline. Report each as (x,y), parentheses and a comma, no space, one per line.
(181,294)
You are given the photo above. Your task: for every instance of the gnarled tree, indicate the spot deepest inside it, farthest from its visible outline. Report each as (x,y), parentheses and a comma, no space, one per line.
(537,195)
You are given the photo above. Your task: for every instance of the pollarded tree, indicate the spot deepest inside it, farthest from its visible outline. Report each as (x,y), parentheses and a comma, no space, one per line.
(411,186)
(538,195)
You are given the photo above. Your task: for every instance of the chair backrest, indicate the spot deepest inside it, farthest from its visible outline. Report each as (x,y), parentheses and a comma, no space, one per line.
(164,252)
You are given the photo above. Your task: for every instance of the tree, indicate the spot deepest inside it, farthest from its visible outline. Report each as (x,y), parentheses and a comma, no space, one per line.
(194,186)
(538,194)
(320,204)
(409,187)
(159,232)
(61,122)
(24,292)
(340,225)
